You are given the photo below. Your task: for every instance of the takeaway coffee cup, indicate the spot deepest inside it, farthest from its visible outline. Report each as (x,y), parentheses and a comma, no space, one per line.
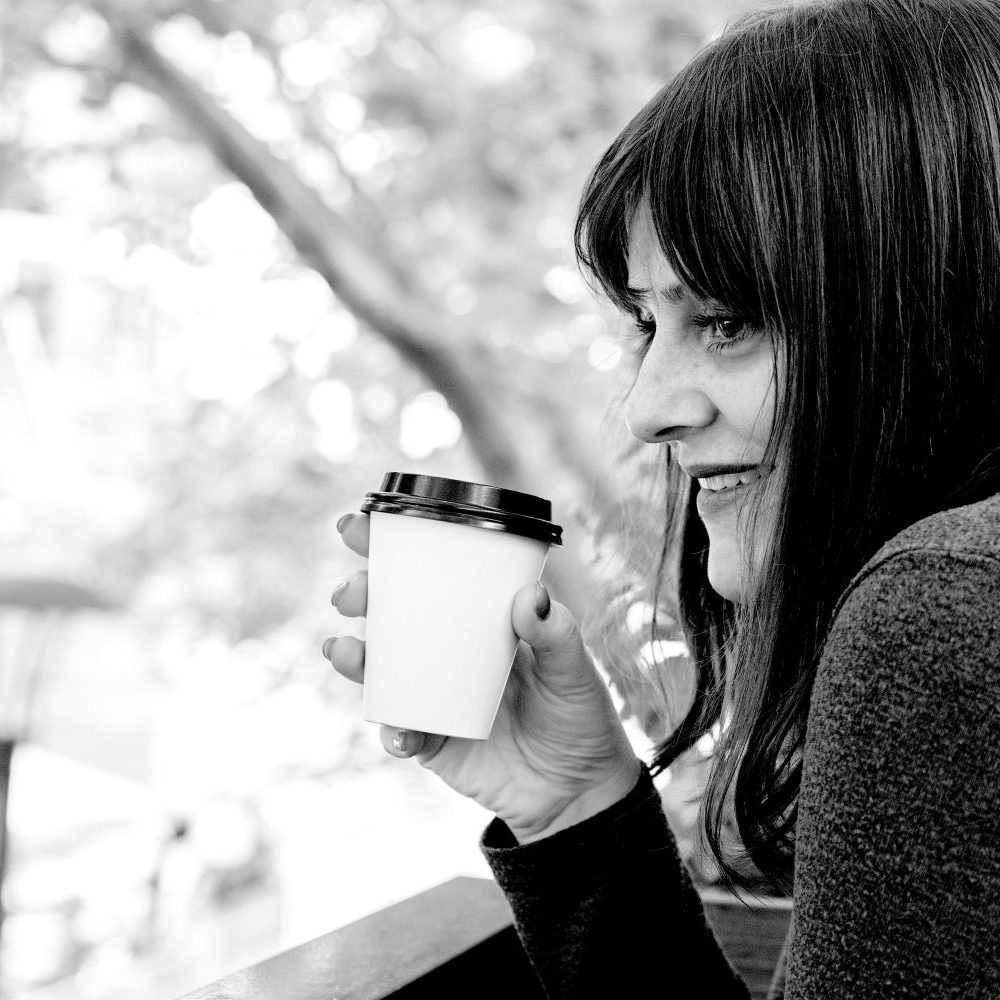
(445,558)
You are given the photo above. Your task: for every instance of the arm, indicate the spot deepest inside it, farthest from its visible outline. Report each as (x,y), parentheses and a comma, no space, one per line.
(606,909)
(897,880)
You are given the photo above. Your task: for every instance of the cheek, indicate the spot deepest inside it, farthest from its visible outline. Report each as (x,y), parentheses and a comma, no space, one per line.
(752,396)
(754,529)
(757,419)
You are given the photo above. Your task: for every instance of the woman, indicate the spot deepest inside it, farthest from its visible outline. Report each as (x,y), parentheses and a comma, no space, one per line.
(804,226)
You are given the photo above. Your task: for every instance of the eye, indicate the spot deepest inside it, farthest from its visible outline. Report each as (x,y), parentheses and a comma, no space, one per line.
(645,323)
(733,329)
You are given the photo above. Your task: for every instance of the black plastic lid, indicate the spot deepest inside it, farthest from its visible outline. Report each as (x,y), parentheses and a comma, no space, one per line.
(465,503)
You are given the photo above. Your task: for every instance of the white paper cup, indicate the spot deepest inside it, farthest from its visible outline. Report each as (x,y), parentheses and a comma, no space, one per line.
(442,574)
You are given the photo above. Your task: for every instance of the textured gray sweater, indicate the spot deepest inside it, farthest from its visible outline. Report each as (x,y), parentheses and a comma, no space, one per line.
(897,866)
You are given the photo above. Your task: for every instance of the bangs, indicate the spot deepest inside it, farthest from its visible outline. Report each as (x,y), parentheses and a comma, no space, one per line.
(704,157)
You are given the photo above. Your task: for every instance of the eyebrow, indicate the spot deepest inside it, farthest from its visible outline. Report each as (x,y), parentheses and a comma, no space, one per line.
(672,293)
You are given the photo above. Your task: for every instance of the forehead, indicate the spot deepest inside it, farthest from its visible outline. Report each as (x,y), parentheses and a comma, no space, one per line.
(647,267)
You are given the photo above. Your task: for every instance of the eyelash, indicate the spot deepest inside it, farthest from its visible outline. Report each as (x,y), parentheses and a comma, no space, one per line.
(647,327)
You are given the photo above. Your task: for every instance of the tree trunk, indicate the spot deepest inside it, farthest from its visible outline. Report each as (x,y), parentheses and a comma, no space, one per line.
(470,374)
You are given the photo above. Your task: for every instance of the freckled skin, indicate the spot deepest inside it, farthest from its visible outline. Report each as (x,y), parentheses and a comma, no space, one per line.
(712,407)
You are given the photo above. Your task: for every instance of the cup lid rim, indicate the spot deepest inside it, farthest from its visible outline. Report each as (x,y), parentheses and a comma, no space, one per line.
(456,501)
(463,491)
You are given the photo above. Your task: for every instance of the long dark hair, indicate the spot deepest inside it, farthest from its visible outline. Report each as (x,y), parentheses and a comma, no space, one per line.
(832,170)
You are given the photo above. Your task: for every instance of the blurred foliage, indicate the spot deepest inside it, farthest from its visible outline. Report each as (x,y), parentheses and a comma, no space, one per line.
(188,406)
(452,140)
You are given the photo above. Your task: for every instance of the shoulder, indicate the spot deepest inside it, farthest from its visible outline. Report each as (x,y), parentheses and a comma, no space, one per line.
(906,694)
(964,533)
(922,617)
(900,787)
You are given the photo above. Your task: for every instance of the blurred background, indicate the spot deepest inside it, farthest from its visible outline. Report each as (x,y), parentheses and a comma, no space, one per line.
(253,255)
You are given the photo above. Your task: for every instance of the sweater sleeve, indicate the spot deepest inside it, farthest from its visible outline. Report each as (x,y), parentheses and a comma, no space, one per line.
(606,908)
(897,870)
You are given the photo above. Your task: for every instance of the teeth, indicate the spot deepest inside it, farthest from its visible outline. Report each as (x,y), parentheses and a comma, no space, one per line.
(716,483)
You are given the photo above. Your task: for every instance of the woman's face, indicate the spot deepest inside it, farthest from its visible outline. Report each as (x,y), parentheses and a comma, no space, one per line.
(705,386)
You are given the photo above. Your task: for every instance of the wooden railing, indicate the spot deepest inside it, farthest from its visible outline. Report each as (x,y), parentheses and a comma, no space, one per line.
(457,940)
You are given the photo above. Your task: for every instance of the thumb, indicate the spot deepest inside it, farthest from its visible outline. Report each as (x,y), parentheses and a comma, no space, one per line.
(552,633)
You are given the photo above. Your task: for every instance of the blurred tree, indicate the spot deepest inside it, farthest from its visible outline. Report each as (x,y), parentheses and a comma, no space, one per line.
(257,252)
(522,432)
(424,159)
(315,226)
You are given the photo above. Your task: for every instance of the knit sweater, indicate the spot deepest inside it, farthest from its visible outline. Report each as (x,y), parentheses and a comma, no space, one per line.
(897,847)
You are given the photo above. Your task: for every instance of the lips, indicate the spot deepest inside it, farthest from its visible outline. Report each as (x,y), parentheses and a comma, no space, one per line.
(708,471)
(716,502)
(716,484)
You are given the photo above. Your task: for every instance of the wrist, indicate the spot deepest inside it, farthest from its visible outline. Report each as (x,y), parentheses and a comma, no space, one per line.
(587,804)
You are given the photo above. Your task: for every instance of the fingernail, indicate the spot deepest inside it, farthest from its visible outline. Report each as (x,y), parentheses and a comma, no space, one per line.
(337,591)
(404,742)
(328,646)
(340,524)
(543,603)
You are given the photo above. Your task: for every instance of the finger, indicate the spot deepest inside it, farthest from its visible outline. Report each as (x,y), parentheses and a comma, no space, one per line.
(402,743)
(353,528)
(347,656)
(552,633)
(351,597)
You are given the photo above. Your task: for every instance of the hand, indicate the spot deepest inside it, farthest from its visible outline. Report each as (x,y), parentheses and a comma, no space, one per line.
(557,753)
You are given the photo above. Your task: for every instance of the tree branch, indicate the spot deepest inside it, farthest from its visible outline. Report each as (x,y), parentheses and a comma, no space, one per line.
(479,385)
(368,226)
(458,366)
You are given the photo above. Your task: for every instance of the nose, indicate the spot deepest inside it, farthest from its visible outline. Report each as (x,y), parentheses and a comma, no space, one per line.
(667,402)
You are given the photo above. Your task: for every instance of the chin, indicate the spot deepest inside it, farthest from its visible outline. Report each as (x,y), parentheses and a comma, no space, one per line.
(727,588)
(724,576)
